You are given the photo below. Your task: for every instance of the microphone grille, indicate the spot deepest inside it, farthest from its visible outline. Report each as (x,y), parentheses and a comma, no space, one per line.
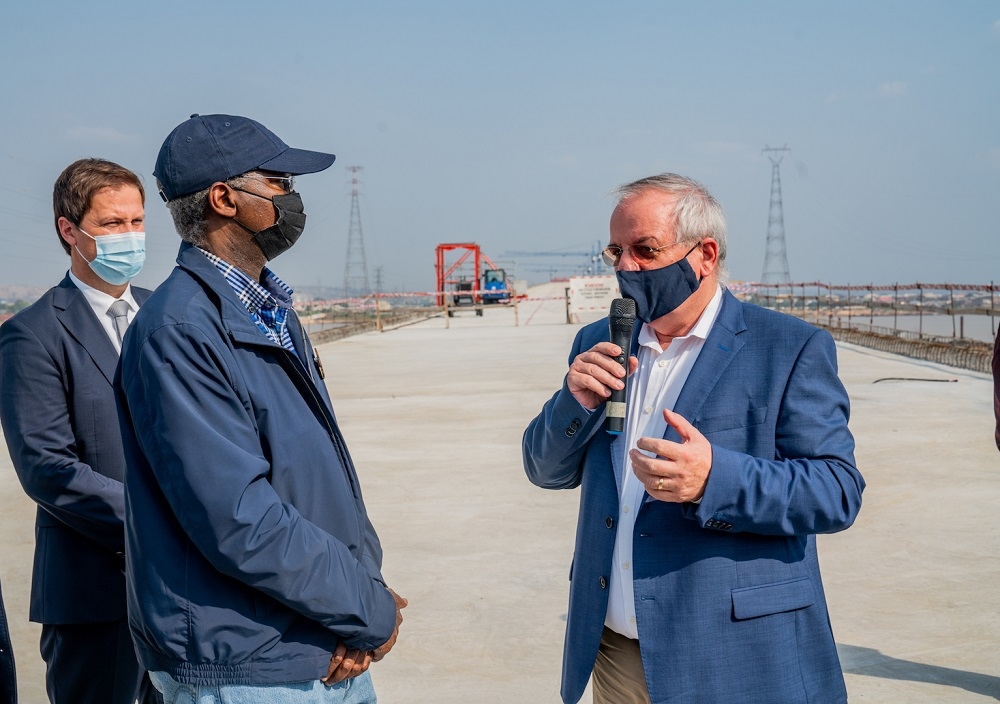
(623,308)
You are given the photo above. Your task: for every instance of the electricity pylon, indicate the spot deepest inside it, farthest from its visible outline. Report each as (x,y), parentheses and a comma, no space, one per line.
(775,259)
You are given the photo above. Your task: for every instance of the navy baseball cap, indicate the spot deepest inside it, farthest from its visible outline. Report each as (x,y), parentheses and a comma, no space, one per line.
(209,148)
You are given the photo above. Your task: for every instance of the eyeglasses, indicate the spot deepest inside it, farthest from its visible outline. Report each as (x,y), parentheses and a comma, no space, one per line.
(612,254)
(285,183)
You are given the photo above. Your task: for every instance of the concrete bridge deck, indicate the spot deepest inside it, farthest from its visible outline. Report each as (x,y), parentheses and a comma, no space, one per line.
(434,417)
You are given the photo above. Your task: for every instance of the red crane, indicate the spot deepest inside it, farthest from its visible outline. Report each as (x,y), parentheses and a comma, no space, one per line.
(443,274)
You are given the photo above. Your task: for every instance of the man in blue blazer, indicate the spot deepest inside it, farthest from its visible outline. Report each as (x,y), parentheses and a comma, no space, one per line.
(695,576)
(57,405)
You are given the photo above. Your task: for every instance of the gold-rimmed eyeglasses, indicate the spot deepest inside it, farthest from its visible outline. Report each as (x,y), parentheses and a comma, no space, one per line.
(612,254)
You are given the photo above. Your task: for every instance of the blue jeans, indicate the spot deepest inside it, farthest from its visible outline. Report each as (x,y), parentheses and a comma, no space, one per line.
(357,690)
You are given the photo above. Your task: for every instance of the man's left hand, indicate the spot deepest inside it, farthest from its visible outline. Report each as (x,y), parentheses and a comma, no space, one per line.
(679,471)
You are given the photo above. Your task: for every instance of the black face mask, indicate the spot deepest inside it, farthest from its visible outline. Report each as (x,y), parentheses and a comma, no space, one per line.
(286,230)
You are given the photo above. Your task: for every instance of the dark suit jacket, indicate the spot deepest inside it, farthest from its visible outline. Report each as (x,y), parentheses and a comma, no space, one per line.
(60,421)
(729,602)
(8,676)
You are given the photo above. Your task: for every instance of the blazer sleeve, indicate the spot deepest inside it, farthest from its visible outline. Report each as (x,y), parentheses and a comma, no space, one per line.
(34,410)
(184,406)
(811,485)
(555,442)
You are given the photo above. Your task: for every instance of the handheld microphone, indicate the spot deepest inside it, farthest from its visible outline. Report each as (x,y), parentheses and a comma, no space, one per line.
(621,320)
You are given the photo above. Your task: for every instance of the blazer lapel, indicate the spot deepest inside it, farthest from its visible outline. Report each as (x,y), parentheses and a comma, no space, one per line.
(721,346)
(76,315)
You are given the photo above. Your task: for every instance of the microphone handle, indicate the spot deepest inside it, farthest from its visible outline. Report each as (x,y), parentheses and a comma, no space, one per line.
(621,335)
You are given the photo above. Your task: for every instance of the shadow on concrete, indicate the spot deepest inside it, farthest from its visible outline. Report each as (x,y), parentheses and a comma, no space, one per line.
(872,663)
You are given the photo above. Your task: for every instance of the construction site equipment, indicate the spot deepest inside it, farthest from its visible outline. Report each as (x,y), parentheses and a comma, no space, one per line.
(495,287)
(469,289)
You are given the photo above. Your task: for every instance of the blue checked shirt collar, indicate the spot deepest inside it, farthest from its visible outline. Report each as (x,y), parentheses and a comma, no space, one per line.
(268,305)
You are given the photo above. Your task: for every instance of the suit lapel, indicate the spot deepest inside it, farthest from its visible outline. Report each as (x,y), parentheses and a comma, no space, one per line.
(721,346)
(75,314)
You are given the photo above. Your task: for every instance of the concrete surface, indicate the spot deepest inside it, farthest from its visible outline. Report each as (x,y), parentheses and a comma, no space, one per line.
(433,413)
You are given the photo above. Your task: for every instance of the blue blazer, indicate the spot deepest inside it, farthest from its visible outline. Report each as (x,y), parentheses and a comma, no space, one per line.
(60,422)
(729,601)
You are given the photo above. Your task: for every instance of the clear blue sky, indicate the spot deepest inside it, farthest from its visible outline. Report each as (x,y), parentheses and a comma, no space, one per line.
(509,123)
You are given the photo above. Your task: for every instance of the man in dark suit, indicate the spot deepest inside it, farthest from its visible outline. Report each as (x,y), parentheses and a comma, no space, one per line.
(57,405)
(695,576)
(8,678)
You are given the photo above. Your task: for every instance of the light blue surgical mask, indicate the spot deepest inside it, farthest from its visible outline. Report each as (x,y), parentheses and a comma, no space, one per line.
(119,257)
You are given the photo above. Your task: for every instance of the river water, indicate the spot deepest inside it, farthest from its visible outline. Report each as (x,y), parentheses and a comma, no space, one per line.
(975,327)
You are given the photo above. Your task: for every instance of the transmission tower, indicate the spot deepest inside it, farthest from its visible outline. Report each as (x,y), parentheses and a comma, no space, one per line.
(775,259)
(355,265)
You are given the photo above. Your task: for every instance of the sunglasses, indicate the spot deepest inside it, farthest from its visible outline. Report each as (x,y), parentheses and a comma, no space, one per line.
(285,183)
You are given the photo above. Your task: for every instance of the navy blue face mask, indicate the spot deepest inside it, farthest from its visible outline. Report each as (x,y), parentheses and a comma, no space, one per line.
(657,292)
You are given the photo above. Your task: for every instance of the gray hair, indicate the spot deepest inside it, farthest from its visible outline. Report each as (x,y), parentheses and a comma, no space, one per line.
(696,214)
(189,212)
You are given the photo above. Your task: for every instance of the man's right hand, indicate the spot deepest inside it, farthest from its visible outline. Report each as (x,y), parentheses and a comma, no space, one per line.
(345,664)
(381,651)
(594,374)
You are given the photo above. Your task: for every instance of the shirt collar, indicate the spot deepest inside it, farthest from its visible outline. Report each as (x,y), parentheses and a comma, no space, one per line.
(701,329)
(253,295)
(99,300)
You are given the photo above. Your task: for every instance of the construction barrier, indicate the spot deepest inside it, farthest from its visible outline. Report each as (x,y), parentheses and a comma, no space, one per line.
(964,354)
(593,294)
(821,304)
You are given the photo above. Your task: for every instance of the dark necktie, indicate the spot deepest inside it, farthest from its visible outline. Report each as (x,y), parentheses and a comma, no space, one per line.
(119,317)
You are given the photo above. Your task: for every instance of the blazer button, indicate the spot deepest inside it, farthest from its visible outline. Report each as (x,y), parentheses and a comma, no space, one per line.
(609,522)
(570,431)
(575,425)
(603,583)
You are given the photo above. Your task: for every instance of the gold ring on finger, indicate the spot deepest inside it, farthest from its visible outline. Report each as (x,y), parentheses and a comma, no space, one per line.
(659,484)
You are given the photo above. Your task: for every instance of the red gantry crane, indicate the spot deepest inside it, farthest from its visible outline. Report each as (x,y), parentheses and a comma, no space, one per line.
(466,290)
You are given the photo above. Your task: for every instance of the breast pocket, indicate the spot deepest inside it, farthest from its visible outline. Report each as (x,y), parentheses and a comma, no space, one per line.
(732,421)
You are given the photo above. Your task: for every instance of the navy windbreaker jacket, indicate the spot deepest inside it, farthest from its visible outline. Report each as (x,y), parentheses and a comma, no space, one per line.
(249,551)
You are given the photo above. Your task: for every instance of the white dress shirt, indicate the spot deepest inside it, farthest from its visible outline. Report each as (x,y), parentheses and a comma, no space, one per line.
(101,301)
(654,386)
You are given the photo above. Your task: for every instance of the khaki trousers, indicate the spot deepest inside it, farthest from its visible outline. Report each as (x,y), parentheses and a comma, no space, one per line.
(618,675)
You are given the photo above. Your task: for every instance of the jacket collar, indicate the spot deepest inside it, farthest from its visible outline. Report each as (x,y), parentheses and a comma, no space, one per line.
(236,319)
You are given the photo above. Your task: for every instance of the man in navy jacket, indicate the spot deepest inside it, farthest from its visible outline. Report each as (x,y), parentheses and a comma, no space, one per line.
(695,576)
(253,568)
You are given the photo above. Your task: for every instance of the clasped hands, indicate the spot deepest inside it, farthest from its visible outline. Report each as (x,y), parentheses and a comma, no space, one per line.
(679,470)
(351,662)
